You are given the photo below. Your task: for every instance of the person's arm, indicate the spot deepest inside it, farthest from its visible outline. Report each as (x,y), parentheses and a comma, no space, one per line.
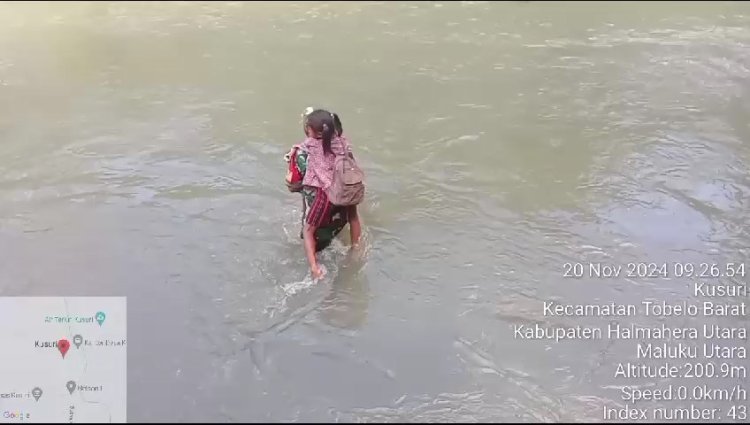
(355,225)
(309,235)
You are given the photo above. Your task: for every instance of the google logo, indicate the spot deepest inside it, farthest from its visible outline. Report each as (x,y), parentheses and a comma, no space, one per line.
(16,415)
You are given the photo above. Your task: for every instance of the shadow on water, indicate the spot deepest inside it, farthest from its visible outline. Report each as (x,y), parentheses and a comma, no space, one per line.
(298,337)
(347,302)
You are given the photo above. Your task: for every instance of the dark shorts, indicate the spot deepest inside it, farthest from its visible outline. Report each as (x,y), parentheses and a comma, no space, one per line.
(318,212)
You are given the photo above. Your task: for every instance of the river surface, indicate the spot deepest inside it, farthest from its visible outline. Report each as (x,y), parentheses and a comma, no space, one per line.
(141,154)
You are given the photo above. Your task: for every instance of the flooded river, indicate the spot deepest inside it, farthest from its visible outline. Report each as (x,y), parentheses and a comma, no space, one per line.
(141,154)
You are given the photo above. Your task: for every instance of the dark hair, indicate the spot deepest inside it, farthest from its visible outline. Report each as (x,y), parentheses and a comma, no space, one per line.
(337,124)
(322,123)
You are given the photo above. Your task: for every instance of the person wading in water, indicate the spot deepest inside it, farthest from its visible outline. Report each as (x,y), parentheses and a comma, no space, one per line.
(311,172)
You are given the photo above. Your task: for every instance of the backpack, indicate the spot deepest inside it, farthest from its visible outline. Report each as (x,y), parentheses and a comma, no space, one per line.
(347,186)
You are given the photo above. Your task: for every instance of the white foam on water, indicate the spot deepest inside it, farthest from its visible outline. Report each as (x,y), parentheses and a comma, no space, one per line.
(295,287)
(292,233)
(293,225)
(288,291)
(328,260)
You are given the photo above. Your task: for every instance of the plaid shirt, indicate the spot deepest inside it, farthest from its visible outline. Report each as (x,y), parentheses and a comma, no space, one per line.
(319,172)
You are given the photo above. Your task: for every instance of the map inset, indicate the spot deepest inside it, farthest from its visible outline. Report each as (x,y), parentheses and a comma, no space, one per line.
(63,359)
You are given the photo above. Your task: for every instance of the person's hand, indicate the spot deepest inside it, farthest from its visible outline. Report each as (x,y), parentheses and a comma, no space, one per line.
(357,252)
(317,272)
(293,187)
(288,155)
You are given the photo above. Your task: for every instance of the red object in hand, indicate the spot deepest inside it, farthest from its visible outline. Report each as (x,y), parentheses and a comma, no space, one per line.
(296,176)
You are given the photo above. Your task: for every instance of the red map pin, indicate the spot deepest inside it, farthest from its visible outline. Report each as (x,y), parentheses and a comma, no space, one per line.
(63,345)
